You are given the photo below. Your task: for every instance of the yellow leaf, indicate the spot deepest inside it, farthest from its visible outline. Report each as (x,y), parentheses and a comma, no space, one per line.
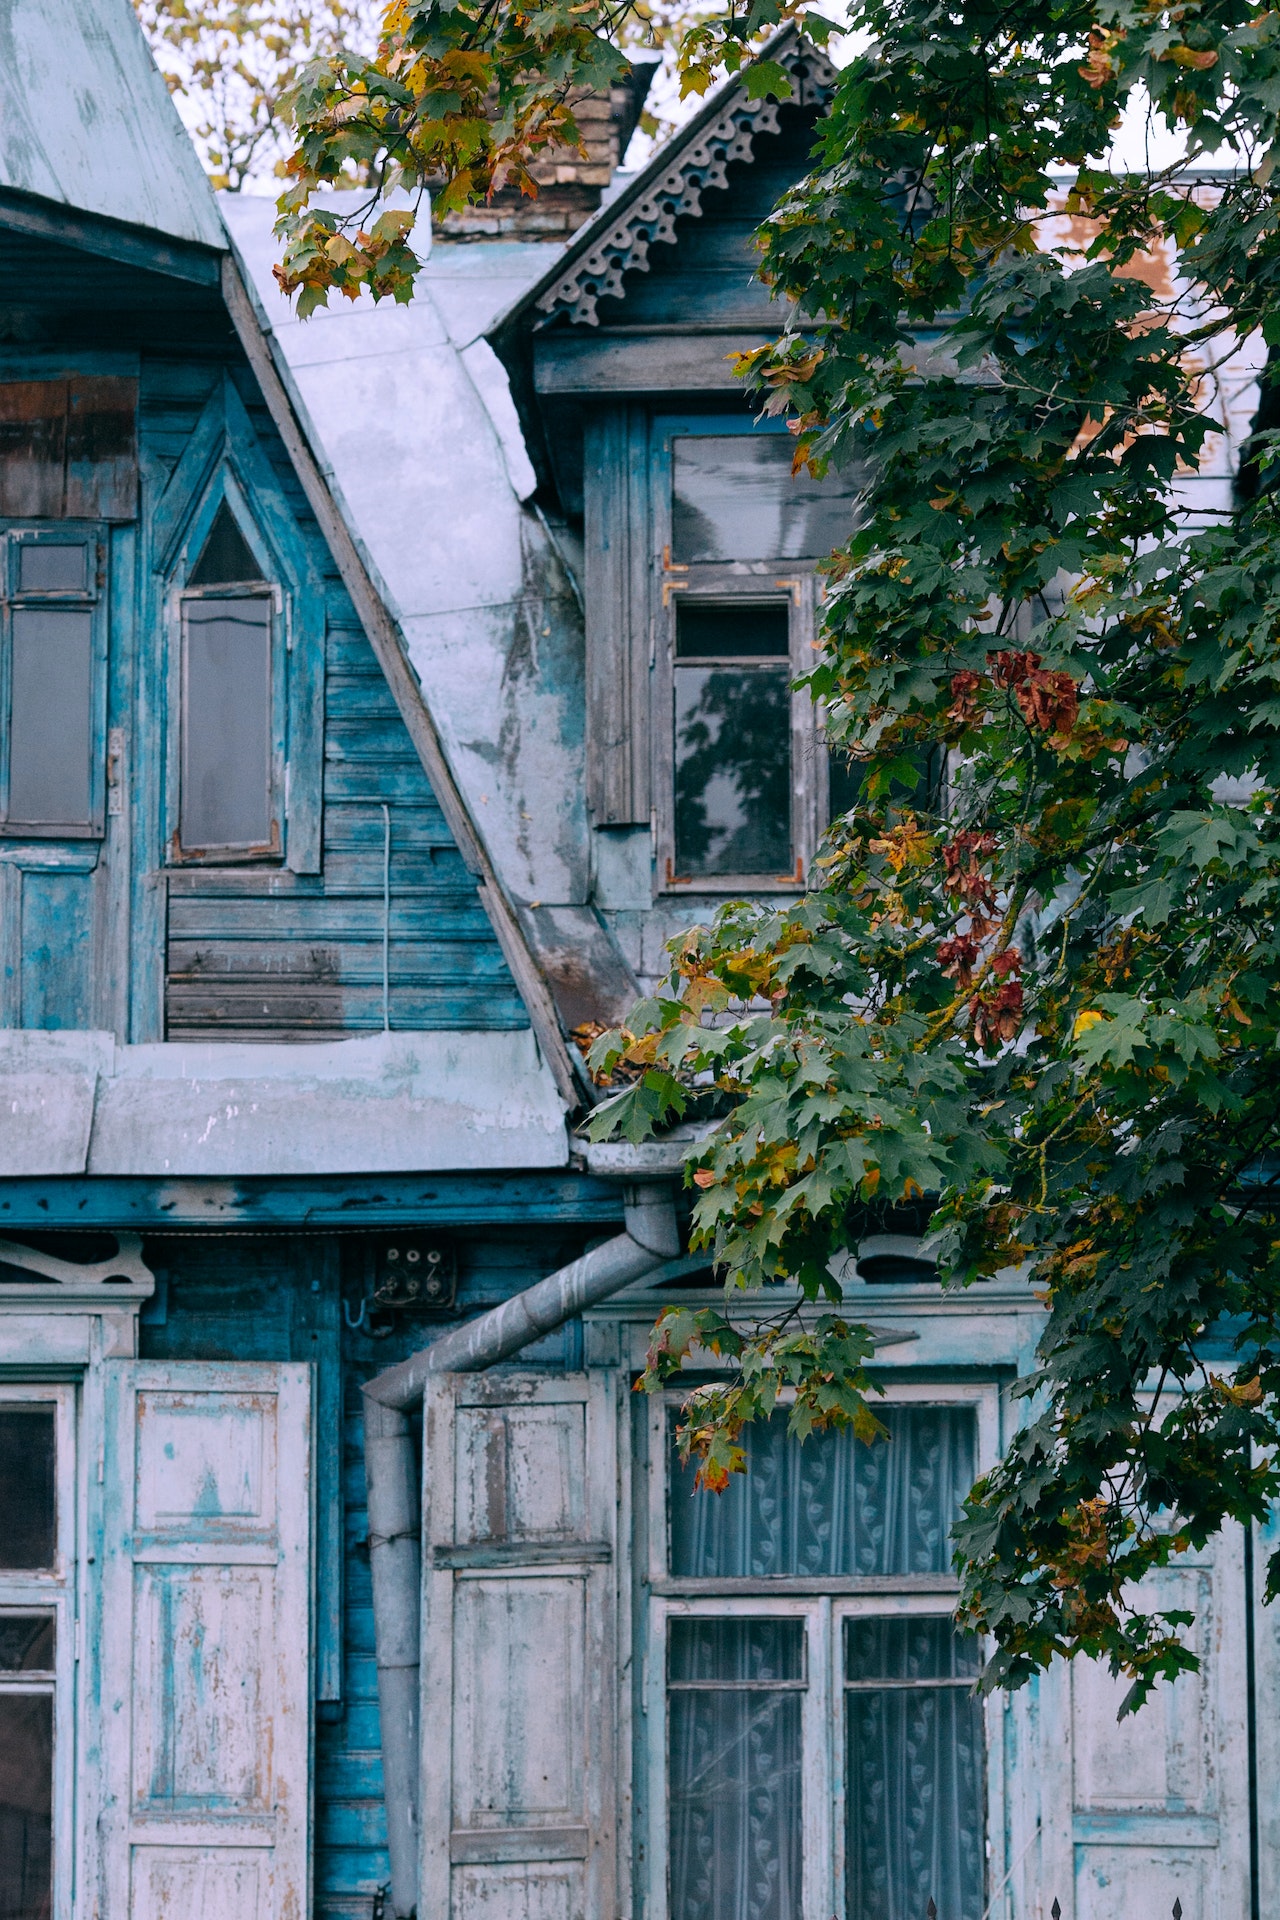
(1084,1021)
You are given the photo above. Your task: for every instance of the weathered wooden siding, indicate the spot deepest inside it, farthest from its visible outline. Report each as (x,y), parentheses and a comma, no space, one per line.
(102,932)
(273,955)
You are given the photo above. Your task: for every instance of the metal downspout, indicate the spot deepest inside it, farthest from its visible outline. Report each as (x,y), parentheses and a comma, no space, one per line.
(652,1238)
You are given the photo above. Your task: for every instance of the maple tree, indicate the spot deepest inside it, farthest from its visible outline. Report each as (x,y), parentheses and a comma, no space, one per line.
(230,64)
(1042,989)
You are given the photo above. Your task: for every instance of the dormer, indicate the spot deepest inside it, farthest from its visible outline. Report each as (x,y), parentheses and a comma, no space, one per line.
(701,589)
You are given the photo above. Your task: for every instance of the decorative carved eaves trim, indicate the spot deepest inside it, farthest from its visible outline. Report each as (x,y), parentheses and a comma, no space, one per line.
(698,164)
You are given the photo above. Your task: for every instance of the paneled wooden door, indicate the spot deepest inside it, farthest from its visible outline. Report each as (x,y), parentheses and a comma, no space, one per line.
(518,1656)
(1140,1812)
(203,1661)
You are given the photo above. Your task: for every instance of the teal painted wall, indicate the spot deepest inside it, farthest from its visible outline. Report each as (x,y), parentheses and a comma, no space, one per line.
(107,933)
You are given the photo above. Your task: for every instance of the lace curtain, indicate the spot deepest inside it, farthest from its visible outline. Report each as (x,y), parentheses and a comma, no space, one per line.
(834,1505)
(912,1733)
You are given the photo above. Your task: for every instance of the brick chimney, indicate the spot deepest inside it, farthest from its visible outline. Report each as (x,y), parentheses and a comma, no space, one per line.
(569,186)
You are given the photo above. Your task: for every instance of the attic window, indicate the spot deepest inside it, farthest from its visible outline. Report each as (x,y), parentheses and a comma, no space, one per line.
(225,559)
(229,760)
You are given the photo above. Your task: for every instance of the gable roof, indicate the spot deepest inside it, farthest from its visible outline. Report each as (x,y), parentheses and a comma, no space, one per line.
(94,156)
(86,121)
(616,241)
(700,171)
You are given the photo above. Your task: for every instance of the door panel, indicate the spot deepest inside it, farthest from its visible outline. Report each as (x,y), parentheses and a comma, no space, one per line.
(1140,1812)
(205,1641)
(518,1648)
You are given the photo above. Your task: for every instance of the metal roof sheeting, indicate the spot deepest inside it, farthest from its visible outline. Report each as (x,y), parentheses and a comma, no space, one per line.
(86,120)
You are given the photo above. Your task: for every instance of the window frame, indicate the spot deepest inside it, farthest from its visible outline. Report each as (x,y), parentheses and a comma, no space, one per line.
(271,853)
(824,1604)
(795,582)
(54,1591)
(15,535)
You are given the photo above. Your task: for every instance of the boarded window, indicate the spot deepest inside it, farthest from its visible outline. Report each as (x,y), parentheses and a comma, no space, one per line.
(69,448)
(226,726)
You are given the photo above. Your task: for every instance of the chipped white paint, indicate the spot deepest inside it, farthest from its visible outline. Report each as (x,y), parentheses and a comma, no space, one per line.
(204,1642)
(518,1655)
(1139,1813)
(432,1102)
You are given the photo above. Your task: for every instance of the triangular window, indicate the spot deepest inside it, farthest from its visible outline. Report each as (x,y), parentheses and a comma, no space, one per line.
(226,559)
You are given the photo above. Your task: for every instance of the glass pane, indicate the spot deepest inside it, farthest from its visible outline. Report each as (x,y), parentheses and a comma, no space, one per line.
(711,630)
(734,1787)
(909,1649)
(739,1650)
(226,559)
(49,716)
(832,1506)
(733,770)
(26,1806)
(226,743)
(734,498)
(914,1800)
(28,1506)
(52,567)
(26,1643)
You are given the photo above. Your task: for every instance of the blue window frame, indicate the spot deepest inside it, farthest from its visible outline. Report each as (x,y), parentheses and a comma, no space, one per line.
(53,626)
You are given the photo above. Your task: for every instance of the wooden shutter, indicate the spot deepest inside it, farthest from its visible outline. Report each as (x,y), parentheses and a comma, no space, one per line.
(1154,1808)
(203,1640)
(69,448)
(518,1769)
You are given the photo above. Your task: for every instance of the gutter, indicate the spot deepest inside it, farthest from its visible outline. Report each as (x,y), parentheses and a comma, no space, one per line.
(651,1240)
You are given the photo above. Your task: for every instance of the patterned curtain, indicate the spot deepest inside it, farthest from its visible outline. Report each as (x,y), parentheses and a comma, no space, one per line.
(915,1771)
(914,1759)
(834,1505)
(735,1700)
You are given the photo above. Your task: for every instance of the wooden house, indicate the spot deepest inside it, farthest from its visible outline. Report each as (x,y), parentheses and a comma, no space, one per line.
(376,697)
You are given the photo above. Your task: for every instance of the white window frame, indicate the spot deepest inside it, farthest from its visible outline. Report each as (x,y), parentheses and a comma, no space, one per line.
(55,1592)
(824,1603)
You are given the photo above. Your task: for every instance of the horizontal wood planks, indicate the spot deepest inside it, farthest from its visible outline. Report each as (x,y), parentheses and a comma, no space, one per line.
(264,955)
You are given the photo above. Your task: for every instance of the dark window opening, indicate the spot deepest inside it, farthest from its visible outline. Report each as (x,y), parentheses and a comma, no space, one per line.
(225,559)
(732,629)
(26,1806)
(26,1643)
(28,1505)
(732,745)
